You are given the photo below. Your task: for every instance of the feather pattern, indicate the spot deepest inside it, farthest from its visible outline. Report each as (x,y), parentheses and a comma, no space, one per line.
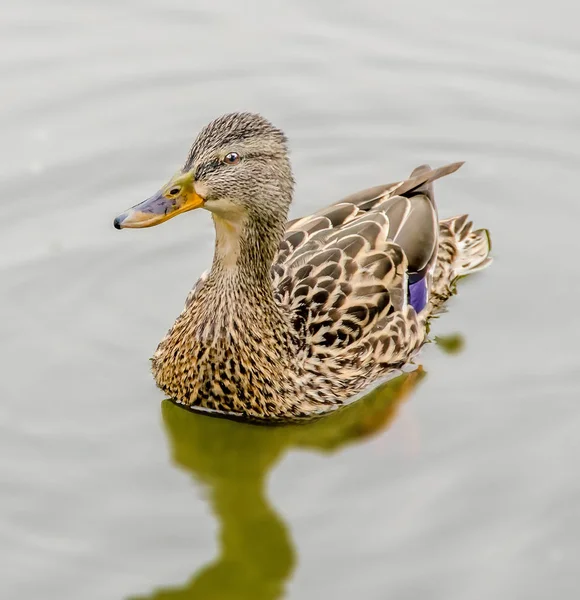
(296,317)
(343,275)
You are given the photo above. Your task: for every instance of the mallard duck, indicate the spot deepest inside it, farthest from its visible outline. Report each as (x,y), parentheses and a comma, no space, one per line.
(294,318)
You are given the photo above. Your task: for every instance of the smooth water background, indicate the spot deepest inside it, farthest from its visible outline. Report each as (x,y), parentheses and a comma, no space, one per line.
(473,491)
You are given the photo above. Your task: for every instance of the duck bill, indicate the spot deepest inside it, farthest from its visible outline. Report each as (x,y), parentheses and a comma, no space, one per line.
(157,209)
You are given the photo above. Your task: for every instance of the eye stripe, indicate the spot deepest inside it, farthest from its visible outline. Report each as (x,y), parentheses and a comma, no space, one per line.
(216,163)
(207,168)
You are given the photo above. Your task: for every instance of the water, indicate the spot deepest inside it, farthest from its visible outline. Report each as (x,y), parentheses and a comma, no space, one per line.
(468,488)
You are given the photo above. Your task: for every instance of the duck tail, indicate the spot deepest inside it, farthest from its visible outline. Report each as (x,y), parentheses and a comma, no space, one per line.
(461,252)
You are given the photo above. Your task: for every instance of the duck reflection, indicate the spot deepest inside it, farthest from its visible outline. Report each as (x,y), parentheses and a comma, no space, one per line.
(233,461)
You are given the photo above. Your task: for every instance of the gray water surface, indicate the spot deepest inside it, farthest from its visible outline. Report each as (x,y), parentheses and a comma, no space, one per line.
(471,490)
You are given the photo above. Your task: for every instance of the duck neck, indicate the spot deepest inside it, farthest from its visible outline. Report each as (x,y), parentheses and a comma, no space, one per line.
(245,249)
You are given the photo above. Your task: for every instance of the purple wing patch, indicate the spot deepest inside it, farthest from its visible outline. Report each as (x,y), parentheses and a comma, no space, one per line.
(418,294)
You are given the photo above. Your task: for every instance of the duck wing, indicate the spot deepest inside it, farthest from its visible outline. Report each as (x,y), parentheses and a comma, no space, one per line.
(345,272)
(408,204)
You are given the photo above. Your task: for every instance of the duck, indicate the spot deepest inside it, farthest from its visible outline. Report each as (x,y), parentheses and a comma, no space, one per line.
(296,318)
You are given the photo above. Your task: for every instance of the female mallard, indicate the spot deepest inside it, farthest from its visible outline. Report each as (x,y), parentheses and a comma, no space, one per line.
(293,318)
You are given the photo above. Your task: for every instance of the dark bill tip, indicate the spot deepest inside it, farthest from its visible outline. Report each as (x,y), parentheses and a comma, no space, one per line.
(117,222)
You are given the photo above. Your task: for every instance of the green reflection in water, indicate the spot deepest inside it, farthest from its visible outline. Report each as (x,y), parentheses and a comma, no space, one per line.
(450,344)
(233,460)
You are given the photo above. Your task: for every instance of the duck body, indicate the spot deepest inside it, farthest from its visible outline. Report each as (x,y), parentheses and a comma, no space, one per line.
(294,318)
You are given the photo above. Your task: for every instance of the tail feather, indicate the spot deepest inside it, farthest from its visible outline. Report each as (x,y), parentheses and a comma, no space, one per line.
(461,252)
(473,252)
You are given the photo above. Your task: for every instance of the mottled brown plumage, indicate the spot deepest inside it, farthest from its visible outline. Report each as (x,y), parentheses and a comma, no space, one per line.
(294,318)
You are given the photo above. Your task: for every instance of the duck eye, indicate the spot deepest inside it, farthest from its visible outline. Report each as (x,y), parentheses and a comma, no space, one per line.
(173,191)
(233,158)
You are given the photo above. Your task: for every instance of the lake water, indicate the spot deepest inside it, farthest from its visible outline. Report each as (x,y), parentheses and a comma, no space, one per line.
(459,483)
